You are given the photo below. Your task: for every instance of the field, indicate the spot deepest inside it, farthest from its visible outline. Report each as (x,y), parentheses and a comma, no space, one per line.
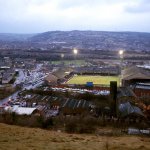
(21,138)
(102,80)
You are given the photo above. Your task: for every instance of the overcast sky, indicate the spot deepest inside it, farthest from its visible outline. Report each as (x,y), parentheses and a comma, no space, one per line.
(34,16)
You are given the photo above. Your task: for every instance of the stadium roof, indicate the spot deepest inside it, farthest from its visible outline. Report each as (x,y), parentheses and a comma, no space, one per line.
(135,72)
(62,72)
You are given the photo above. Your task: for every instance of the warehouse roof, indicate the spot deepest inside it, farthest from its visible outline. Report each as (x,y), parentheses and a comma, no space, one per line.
(135,72)
(21,110)
(127,109)
(72,103)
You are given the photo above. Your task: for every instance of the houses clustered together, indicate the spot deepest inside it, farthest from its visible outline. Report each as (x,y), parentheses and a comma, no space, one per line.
(7,76)
(48,106)
(135,84)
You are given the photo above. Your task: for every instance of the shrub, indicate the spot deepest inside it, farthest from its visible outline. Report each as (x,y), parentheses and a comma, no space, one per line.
(81,125)
(48,123)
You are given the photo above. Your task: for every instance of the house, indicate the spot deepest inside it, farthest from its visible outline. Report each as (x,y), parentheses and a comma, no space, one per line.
(56,102)
(6,78)
(142,90)
(49,101)
(73,107)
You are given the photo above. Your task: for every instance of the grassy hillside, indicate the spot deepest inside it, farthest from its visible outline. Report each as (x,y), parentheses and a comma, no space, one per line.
(20,138)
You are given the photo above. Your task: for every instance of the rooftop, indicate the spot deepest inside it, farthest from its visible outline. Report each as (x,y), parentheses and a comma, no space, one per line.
(135,72)
(127,109)
(21,110)
(125,92)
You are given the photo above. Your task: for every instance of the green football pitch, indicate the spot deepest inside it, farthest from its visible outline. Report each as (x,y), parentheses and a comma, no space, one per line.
(101,80)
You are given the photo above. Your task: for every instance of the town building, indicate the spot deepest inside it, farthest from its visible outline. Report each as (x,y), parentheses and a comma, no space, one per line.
(134,75)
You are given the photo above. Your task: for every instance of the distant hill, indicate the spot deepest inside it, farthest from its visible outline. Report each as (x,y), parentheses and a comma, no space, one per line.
(92,40)
(96,39)
(14,37)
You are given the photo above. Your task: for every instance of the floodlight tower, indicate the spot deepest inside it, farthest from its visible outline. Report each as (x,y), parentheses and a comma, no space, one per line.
(121,52)
(75,52)
(62,58)
(62,55)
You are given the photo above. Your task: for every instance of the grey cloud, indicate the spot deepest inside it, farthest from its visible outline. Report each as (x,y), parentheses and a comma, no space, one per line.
(141,6)
(65,4)
(26,15)
(138,9)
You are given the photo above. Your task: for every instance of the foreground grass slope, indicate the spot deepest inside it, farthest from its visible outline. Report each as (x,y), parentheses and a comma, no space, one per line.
(20,138)
(103,80)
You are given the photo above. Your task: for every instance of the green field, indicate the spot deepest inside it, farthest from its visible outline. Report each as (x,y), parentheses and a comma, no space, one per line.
(103,80)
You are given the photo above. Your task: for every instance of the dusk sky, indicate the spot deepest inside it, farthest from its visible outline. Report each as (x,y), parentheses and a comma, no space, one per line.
(34,16)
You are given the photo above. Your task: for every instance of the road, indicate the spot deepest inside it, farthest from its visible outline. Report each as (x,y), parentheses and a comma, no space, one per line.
(21,79)
(13,96)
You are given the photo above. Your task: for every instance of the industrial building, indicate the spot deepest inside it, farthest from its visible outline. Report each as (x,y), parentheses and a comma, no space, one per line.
(134,75)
